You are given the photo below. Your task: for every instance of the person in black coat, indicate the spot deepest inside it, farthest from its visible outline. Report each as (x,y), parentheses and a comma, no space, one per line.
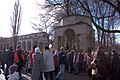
(62,59)
(9,59)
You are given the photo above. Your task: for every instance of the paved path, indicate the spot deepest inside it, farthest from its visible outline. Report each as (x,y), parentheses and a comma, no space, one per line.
(68,76)
(81,76)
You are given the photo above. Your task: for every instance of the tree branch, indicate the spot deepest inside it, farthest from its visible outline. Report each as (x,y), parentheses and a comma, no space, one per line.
(95,24)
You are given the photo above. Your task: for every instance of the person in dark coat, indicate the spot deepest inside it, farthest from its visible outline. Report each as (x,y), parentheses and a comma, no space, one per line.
(81,58)
(102,64)
(115,66)
(62,63)
(9,59)
(70,61)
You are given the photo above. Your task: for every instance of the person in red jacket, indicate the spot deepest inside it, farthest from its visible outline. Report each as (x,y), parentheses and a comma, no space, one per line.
(31,57)
(56,62)
(19,59)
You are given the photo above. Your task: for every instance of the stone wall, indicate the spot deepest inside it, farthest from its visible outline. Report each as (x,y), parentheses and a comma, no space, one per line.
(26,41)
(81,26)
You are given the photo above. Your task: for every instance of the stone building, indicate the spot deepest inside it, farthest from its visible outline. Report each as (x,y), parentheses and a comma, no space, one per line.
(26,41)
(74,32)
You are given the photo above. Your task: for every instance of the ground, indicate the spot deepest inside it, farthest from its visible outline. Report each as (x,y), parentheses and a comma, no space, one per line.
(68,76)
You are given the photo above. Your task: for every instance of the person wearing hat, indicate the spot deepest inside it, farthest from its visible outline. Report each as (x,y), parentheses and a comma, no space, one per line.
(38,65)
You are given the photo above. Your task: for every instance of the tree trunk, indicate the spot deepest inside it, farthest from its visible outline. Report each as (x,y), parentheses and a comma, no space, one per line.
(15,42)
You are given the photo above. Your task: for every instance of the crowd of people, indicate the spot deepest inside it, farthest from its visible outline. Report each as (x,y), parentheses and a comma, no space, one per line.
(12,61)
(52,64)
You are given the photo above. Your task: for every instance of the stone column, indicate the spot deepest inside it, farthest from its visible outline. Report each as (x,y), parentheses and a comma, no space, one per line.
(79,41)
(27,45)
(56,43)
(62,41)
(32,44)
(76,42)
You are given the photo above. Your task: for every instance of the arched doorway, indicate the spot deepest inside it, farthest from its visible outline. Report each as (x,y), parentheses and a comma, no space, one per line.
(35,43)
(41,46)
(29,45)
(24,45)
(69,39)
(19,43)
(59,42)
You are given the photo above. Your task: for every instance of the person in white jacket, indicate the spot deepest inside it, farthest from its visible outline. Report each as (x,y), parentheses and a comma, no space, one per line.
(48,64)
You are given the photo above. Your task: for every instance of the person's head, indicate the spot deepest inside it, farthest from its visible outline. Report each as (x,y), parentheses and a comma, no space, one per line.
(100,51)
(13,68)
(19,47)
(37,50)
(11,47)
(100,48)
(72,51)
(56,51)
(92,53)
(53,51)
(81,50)
(61,49)
(46,48)
(34,47)
(4,49)
(115,52)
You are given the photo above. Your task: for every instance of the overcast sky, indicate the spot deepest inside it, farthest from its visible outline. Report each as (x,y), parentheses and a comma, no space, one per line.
(29,12)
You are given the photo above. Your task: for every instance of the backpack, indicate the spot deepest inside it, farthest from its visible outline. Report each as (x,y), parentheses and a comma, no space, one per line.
(19,56)
(19,53)
(62,58)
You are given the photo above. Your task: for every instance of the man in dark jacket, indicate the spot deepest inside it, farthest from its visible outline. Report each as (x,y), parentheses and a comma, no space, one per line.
(102,64)
(9,59)
(115,63)
(62,62)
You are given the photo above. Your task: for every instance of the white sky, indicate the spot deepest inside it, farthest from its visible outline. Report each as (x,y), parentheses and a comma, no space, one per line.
(29,12)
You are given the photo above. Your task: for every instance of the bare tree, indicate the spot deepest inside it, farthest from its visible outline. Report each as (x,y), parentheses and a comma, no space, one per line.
(104,15)
(62,8)
(114,4)
(16,21)
(104,18)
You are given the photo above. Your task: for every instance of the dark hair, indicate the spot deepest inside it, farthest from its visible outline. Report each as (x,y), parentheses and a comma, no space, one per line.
(4,49)
(11,47)
(46,47)
(100,47)
(18,46)
(61,49)
(34,47)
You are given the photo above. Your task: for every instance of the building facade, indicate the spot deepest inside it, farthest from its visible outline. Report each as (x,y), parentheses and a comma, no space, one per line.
(26,41)
(74,32)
